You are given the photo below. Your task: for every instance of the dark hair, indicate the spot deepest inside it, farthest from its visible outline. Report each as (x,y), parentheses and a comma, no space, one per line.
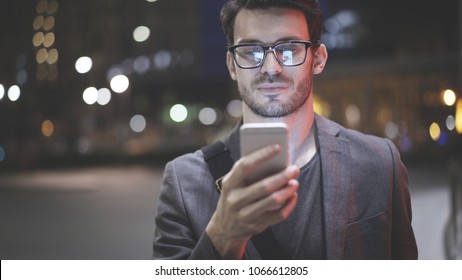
(313,14)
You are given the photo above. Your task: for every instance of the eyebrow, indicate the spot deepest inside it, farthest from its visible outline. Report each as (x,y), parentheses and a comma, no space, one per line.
(255,41)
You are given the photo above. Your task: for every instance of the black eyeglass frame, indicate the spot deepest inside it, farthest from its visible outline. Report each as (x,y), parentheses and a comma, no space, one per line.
(308,44)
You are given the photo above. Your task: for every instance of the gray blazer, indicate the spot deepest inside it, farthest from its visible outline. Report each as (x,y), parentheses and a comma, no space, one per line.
(367,210)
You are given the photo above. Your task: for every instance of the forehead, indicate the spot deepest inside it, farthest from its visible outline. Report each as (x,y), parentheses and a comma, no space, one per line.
(270,25)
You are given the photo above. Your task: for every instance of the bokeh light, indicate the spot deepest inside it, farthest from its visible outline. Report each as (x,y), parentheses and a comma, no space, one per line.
(38,22)
(41,6)
(14,92)
(48,39)
(119,83)
(178,113)
(450,123)
(83,64)
(442,139)
(459,116)
(234,108)
(449,97)
(2,91)
(434,131)
(47,128)
(90,95)
(37,39)
(137,123)
(104,96)
(21,77)
(391,130)
(41,55)
(208,116)
(141,64)
(405,144)
(352,115)
(162,60)
(321,106)
(49,23)
(52,56)
(52,7)
(141,33)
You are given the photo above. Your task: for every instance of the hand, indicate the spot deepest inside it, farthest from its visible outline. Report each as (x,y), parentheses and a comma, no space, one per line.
(243,211)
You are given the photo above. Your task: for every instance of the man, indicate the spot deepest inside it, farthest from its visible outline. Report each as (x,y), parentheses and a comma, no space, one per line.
(344,197)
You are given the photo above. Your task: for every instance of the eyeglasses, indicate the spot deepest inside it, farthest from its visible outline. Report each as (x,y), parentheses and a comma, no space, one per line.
(290,53)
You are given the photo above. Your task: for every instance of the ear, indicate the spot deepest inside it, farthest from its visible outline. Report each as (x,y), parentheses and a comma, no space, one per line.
(231,66)
(320,59)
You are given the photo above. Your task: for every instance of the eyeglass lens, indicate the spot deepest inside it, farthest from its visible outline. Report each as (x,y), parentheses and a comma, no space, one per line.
(289,54)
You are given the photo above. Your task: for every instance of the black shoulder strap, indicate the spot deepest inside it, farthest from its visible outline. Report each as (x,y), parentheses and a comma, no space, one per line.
(220,162)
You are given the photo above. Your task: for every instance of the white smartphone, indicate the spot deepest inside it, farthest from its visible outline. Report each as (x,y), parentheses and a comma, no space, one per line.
(254,136)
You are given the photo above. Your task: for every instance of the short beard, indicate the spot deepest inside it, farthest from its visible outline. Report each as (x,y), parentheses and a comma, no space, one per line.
(273,109)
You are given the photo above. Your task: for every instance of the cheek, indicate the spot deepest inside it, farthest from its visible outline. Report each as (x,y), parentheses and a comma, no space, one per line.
(305,73)
(302,77)
(244,77)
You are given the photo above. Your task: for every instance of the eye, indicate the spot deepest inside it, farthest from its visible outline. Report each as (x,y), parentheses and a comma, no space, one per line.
(250,52)
(258,54)
(285,48)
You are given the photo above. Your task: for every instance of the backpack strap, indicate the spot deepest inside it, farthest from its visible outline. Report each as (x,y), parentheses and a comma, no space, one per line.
(219,160)
(220,163)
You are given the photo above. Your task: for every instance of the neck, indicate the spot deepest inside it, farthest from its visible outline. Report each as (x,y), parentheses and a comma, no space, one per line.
(301,133)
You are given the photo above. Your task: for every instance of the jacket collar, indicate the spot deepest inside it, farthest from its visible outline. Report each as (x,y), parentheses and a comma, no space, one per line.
(335,163)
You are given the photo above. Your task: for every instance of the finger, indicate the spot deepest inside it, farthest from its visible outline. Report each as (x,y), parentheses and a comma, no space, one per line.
(239,171)
(276,200)
(249,162)
(283,213)
(267,186)
(270,218)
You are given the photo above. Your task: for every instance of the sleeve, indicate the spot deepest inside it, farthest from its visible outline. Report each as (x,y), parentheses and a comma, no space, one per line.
(403,243)
(174,237)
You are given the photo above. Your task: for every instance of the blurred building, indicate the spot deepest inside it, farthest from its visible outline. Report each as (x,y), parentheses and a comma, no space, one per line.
(82,81)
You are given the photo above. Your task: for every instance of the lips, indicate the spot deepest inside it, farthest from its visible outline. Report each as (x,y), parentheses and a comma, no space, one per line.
(271,88)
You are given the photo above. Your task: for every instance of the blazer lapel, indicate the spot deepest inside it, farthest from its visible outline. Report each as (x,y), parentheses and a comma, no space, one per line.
(335,158)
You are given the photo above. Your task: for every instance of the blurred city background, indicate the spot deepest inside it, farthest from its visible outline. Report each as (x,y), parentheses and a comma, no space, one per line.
(96,96)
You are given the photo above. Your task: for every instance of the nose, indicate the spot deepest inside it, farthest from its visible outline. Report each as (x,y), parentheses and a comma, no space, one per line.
(271,65)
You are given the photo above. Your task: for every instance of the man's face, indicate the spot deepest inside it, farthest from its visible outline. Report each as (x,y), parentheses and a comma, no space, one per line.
(272,90)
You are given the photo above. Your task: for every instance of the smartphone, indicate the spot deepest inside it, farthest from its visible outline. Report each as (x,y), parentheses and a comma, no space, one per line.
(254,136)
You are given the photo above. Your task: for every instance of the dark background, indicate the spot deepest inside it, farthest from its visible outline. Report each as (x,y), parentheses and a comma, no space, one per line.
(390,60)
